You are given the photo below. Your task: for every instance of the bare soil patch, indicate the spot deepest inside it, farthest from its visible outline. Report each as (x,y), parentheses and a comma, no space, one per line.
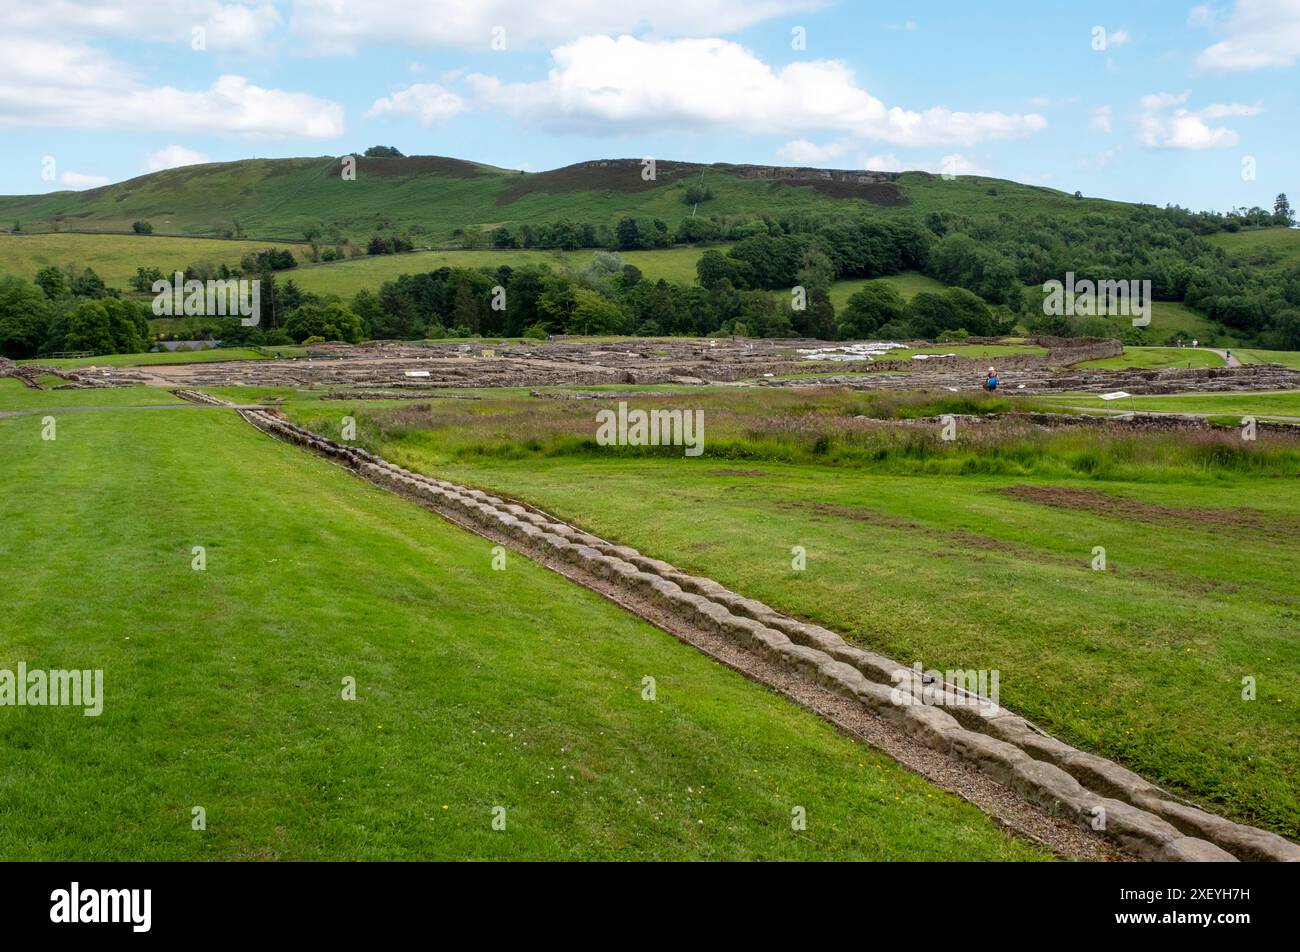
(1108,504)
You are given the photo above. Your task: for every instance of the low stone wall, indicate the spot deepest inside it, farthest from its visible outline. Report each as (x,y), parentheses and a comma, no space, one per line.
(1138,815)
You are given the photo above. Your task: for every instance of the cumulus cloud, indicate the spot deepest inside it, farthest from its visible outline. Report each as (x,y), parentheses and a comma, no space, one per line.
(79,180)
(1101,119)
(173,157)
(1257,34)
(427,103)
(1165,122)
(958,164)
(235,26)
(71,85)
(602,84)
(803,152)
(883,163)
(343,25)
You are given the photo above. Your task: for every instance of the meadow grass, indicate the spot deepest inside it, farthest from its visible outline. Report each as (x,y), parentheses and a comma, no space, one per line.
(1237,405)
(908,284)
(1154,358)
(346,278)
(154,358)
(475,689)
(16,396)
(973,554)
(116,257)
(1279,245)
(1287,358)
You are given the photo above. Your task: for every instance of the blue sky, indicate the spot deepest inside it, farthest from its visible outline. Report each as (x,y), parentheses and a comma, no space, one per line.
(1181,96)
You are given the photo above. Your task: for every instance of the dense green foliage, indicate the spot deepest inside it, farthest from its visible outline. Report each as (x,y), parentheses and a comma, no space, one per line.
(68,312)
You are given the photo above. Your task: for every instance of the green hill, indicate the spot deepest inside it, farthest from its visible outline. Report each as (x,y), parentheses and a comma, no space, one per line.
(431,197)
(1261,246)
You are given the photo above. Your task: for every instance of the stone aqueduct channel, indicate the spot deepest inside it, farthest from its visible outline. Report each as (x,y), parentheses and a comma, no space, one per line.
(1138,816)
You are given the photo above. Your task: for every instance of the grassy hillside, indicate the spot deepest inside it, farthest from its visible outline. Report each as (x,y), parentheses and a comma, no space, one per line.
(429,197)
(1261,245)
(346,278)
(115,257)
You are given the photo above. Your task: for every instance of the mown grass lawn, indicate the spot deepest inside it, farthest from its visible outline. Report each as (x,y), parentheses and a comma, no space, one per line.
(1142,662)
(1237,404)
(1153,358)
(154,358)
(15,396)
(1287,358)
(475,688)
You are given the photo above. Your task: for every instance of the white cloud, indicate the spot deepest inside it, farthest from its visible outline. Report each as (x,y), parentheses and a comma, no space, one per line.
(803,152)
(1118,38)
(1101,119)
(600,84)
(236,26)
(1203,17)
(882,163)
(74,86)
(1257,34)
(1222,110)
(958,164)
(79,180)
(343,25)
(1154,101)
(1166,123)
(173,157)
(429,104)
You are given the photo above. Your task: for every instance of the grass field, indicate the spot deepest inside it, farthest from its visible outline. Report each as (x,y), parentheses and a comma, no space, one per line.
(1274,245)
(970,554)
(1169,317)
(346,278)
(1287,358)
(16,396)
(1261,405)
(475,689)
(1152,358)
(116,257)
(909,285)
(163,357)
(992,351)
